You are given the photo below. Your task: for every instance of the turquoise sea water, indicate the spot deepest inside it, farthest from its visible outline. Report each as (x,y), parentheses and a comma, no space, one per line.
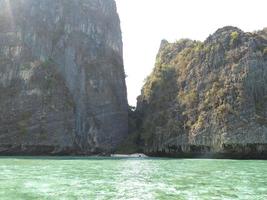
(105,178)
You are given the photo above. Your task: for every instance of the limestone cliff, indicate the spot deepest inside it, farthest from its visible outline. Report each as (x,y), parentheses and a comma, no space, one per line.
(207,98)
(62,80)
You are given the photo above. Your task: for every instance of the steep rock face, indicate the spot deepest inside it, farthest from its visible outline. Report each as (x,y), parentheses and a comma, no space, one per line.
(62,80)
(208,97)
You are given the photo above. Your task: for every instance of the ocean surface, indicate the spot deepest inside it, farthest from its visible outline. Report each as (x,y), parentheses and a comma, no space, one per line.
(133,178)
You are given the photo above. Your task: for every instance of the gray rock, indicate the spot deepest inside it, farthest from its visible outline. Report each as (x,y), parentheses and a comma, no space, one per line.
(208,98)
(62,80)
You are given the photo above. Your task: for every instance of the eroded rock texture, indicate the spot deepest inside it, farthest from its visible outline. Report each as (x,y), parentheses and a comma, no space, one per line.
(62,80)
(208,98)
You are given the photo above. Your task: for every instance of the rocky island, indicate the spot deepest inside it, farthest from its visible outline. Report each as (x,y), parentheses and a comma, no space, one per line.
(63,91)
(205,99)
(62,79)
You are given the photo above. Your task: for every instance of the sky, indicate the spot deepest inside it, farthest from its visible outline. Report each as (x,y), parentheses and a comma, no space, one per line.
(145,23)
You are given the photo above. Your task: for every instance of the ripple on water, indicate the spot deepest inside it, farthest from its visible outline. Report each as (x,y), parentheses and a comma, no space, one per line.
(132,179)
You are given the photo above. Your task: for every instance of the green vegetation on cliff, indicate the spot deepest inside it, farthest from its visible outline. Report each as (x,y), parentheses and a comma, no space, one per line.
(205,96)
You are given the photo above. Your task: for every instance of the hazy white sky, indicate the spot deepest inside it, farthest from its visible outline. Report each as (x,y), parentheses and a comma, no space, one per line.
(145,23)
